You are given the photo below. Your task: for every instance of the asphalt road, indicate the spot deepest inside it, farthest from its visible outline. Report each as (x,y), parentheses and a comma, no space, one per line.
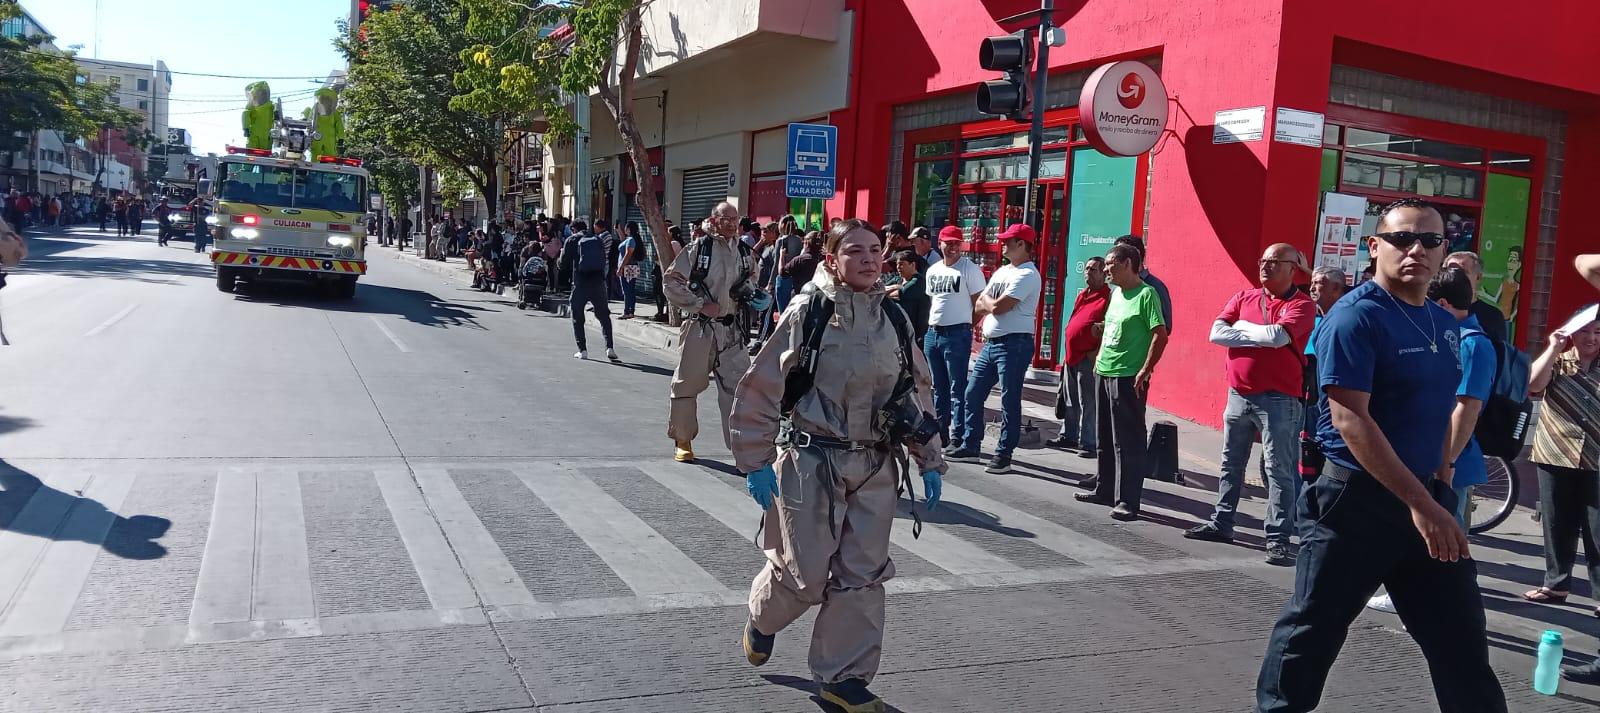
(418,500)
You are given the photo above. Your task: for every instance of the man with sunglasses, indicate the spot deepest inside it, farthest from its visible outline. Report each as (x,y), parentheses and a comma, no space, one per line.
(1377,515)
(1265,330)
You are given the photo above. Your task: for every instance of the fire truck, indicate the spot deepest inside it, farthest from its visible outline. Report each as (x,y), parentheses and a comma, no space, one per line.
(281,216)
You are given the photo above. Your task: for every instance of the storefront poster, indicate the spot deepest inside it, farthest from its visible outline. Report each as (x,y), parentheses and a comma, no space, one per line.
(1339,233)
(1102,209)
(1504,228)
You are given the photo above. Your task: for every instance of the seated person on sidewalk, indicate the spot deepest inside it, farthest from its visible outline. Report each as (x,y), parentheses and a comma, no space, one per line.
(1265,330)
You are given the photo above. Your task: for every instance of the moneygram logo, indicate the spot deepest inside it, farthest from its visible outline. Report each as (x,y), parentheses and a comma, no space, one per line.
(1130,92)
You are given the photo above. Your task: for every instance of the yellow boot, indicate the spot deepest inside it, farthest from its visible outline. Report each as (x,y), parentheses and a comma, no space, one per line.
(684,451)
(851,695)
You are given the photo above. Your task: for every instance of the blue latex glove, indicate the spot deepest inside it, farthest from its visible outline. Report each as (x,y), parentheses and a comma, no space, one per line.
(762,484)
(761,301)
(932,485)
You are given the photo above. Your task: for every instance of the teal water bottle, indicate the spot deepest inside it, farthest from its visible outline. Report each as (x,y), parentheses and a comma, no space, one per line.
(1547,672)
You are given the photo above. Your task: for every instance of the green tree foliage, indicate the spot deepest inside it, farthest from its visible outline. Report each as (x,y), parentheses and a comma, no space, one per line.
(39,90)
(393,175)
(513,66)
(402,86)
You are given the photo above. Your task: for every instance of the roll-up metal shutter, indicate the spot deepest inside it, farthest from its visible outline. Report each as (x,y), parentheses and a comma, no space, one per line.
(703,189)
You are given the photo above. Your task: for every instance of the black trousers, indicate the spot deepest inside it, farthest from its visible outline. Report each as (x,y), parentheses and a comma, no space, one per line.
(1358,536)
(1569,503)
(589,290)
(1119,427)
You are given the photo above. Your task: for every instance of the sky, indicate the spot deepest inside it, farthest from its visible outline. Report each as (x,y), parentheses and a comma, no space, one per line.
(251,38)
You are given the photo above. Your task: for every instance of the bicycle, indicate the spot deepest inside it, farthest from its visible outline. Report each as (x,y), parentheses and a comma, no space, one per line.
(1491,503)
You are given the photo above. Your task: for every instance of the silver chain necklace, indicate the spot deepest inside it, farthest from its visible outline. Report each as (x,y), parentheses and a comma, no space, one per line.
(1433,342)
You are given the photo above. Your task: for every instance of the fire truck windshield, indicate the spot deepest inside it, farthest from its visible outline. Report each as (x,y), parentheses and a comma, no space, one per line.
(284,187)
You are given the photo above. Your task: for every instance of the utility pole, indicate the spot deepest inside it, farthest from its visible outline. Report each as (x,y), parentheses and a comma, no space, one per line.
(1033,206)
(1012,96)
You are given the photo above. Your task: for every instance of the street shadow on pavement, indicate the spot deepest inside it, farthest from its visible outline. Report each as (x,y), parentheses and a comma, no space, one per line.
(806,685)
(646,368)
(129,537)
(954,513)
(14,423)
(413,306)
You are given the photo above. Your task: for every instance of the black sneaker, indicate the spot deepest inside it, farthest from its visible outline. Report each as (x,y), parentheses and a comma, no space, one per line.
(964,455)
(952,449)
(1063,443)
(1091,453)
(998,464)
(1091,498)
(1089,483)
(757,646)
(1279,554)
(1124,513)
(851,695)
(1207,533)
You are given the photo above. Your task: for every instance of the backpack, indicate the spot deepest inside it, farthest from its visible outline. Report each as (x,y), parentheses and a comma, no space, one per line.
(591,254)
(1502,427)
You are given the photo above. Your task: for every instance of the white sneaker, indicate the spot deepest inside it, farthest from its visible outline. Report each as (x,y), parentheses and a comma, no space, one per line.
(1382,603)
(612,355)
(581,355)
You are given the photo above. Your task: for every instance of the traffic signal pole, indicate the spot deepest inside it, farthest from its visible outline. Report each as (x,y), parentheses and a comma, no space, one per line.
(1033,207)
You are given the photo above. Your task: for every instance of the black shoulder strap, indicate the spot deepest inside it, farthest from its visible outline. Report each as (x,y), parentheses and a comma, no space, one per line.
(702,263)
(819,309)
(902,328)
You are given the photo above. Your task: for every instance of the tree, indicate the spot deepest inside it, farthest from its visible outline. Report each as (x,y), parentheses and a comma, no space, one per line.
(401,86)
(513,67)
(393,175)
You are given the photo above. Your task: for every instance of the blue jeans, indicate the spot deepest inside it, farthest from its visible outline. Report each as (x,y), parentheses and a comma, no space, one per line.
(948,349)
(1276,416)
(627,296)
(782,292)
(1004,359)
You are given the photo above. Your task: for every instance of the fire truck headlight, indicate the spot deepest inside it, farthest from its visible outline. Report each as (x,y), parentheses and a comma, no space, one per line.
(341,241)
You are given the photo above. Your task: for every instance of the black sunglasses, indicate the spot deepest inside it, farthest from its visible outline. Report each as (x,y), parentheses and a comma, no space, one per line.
(1404,239)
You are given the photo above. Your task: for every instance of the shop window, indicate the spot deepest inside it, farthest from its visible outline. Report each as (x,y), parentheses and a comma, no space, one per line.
(990,143)
(1056,135)
(1012,167)
(1407,176)
(935,148)
(1053,164)
(1330,134)
(1506,161)
(930,204)
(1397,143)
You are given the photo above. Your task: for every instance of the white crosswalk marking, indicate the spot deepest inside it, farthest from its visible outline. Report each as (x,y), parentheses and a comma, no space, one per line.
(640,556)
(26,540)
(738,512)
(227,570)
(491,573)
(44,606)
(1045,533)
(436,566)
(283,567)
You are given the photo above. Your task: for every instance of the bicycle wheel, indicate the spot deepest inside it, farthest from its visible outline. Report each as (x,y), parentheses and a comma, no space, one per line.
(1492,502)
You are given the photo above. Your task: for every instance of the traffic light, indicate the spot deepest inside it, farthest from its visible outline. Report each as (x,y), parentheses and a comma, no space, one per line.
(1009,96)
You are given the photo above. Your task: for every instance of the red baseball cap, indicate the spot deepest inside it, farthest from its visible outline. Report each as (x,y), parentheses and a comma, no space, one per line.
(951,232)
(1020,231)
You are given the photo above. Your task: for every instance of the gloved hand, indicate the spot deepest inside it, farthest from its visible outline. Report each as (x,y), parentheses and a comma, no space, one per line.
(761,301)
(932,485)
(762,484)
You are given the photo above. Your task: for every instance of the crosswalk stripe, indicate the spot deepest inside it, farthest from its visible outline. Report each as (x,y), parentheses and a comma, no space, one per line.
(734,509)
(47,602)
(1045,533)
(640,556)
(227,569)
(491,573)
(435,564)
(283,565)
(24,542)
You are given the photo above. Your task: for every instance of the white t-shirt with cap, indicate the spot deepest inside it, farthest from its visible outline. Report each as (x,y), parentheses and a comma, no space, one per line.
(950,289)
(1022,283)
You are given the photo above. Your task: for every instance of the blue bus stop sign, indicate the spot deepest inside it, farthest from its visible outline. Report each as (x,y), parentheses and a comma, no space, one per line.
(813,151)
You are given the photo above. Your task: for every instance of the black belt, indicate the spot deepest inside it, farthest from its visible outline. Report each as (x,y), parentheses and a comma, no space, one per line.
(1013,335)
(789,436)
(942,327)
(729,319)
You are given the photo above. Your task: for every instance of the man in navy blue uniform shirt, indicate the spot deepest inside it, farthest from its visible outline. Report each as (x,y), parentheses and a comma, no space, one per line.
(1376,516)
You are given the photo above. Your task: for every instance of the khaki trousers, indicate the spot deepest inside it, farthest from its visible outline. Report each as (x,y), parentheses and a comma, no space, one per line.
(840,565)
(709,349)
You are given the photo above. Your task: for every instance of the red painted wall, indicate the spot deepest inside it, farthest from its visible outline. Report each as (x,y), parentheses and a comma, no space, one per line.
(1214,208)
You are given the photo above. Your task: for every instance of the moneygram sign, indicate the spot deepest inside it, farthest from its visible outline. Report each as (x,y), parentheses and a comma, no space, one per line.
(1123,108)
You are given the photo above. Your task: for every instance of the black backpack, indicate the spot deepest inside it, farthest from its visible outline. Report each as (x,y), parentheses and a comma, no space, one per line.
(1502,427)
(591,255)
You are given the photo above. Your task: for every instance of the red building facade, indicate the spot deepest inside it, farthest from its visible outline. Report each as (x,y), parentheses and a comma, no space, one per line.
(1494,116)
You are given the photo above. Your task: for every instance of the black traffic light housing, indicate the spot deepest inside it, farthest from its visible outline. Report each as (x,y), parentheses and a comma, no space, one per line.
(1010,96)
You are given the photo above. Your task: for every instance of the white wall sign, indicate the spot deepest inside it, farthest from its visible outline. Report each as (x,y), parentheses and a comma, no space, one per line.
(1233,126)
(1292,126)
(1124,108)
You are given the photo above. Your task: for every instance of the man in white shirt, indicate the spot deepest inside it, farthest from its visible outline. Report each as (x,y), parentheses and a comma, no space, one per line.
(1007,307)
(953,285)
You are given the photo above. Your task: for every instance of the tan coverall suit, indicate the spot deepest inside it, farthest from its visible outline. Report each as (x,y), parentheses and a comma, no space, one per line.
(707,347)
(840,564)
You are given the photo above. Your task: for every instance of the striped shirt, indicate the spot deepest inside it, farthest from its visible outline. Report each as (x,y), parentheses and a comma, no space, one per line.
(1568,432)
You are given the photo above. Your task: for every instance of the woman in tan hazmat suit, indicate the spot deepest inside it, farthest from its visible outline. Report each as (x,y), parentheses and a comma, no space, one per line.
(830,500)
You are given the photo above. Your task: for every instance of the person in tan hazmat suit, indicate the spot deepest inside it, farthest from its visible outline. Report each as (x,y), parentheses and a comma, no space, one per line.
(703,281)
(836,443)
